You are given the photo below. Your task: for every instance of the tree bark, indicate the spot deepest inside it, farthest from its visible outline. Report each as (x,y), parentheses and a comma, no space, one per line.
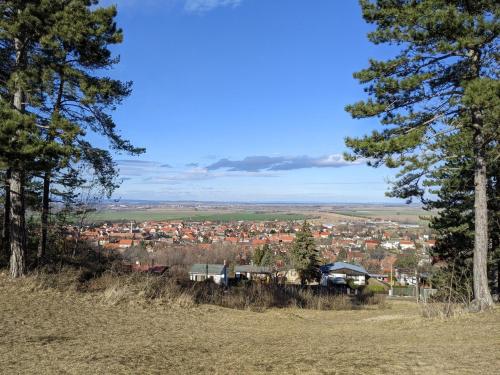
(482,296)
(16,182)
(6,217)
(42,248)
(17,224)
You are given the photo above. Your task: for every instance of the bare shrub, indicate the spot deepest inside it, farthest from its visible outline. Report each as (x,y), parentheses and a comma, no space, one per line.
(259,297)
(441,310)
(454,296)
(113,287)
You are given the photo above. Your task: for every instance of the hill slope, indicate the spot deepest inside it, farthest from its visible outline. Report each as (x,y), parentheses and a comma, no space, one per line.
(60,332)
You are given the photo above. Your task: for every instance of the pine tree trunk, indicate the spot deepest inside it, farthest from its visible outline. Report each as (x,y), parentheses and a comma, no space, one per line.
(17,224)
(42,248)
(6,217)
(16,182)
(44,218)
(482,296)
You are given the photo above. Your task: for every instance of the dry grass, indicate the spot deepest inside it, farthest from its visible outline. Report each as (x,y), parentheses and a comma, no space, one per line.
(443,311)
(58,330)
(114,288)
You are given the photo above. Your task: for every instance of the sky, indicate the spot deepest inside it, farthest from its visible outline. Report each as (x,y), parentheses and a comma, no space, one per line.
(243,100)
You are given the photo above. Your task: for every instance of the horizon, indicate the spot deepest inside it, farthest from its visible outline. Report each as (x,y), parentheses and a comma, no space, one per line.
(244,101)
(305,203)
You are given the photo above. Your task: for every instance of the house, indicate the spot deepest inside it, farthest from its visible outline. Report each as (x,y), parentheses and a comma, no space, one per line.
(406,245)
(380,277)
(205,271)
(406,279)
(371,244)
(125,244)
(252,272)
(259,242)
(430,244)
(390,245)
(337,270)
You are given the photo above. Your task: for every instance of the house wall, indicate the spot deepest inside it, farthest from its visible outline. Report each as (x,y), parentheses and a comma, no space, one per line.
(358,280)
(201,277)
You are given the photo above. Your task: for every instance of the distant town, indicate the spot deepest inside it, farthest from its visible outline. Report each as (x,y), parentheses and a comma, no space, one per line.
(385,248)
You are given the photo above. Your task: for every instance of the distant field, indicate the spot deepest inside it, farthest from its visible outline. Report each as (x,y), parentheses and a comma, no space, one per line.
(52,332)
(156,215)
(400,214)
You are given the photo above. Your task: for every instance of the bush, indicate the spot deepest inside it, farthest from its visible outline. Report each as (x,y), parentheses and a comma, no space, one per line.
(376,289)
(367,296)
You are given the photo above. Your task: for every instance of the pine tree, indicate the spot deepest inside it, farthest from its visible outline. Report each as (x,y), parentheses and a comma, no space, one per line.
(263,256)
(77,97)
(53,95)
(442,83)
(453,203)
(21,25)
(305,256)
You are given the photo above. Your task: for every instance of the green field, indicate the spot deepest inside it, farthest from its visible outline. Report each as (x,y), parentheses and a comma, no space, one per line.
(144,215)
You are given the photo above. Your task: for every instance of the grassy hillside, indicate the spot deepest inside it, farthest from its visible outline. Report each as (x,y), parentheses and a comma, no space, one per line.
(50,331)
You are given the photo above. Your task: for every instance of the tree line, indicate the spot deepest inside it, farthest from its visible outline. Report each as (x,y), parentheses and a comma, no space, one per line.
(55,99)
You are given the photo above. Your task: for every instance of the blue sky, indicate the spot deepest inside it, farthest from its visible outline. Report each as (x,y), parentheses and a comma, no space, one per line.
(243,100)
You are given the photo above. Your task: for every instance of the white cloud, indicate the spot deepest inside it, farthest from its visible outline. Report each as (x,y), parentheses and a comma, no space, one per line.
(282,163)
(199,174)
(201,6)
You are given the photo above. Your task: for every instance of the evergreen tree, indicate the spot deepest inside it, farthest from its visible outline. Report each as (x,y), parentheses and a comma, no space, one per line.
(342,255)
(305,256)
(258,255)
(263,256)
(22,24)
(268,258)
(55,94)
(75,93)
(454,204)
(442,83)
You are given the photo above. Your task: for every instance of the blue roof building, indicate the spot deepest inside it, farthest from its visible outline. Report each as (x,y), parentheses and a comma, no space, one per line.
(338,272)
(352,269)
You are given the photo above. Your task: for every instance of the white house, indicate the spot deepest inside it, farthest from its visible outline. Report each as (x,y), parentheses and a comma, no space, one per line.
(406,245)
(204,271)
